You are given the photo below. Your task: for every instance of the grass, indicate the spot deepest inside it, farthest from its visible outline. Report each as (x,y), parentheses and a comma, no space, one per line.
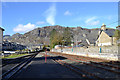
(15,55)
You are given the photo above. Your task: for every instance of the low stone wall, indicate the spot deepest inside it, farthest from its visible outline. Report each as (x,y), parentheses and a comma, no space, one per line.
(95,49)
(109,52)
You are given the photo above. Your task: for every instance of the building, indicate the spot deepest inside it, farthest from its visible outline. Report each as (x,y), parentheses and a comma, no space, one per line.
(90,42)
(34,46)
(12,46)
(105,37)
(1,38)
(118,41)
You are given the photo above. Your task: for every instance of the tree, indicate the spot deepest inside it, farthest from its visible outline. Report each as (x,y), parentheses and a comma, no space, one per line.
(52,34)
(55,38)
(67,36)
(117,34)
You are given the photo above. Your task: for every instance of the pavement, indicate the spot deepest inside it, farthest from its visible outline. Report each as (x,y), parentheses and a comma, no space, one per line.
(39,69)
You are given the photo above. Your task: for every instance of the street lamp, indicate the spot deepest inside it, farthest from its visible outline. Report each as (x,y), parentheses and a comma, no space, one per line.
(72,43)
(62,45)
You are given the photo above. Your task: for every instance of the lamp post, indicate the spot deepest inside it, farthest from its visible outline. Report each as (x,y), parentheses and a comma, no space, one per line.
(62,45)
(72,43)
(76,39)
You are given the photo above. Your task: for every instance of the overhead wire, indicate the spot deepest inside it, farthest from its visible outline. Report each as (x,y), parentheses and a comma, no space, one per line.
(114,22)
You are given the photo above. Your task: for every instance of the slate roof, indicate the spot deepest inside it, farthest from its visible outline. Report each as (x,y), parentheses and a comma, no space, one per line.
(109,32)
(93,36)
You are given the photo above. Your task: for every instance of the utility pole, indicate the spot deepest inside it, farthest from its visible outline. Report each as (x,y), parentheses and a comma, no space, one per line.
(76,40)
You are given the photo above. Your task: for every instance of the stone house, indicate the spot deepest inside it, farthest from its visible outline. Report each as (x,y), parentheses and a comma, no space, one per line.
(105,37)
(1,38)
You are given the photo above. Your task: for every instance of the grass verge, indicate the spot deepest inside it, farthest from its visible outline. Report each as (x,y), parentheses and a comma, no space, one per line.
(15,55)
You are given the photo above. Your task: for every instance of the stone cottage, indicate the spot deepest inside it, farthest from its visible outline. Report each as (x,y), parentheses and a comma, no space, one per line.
(105,37)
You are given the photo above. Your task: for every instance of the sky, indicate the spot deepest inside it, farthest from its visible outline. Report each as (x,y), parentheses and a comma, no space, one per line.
(21,17)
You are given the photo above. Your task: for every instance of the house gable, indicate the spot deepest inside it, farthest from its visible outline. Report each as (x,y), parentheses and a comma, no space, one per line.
(104,38)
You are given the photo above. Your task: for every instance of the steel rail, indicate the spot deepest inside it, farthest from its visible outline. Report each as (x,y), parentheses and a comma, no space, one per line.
(16,58)
(76,69)
(93,65)
(72,67)
(16,68)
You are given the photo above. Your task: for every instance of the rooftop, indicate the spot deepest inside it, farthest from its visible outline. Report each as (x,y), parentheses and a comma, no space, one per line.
(1,29)
(109,32)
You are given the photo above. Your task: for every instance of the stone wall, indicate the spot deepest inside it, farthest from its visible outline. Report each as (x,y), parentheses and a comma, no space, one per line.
(94,49)
(119,53)
(108,52)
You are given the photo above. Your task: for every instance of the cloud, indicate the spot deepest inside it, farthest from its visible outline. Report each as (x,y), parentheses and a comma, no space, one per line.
(67,13)
(40,22)
(24,28)
(92,21)
(50,14)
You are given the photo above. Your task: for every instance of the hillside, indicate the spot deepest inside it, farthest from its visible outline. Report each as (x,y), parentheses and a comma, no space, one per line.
(41,35)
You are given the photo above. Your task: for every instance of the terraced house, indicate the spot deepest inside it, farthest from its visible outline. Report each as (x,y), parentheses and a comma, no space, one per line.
(105,37)
(1,38)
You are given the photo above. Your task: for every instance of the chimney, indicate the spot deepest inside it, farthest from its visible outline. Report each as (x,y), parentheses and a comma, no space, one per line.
(118,27)
(103,27)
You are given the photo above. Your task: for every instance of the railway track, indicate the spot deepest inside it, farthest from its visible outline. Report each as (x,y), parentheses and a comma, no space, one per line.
(112,68)
(97,65)
(92,60)
(86,69)
(83,73)
(16,68)
(9,63)
(69,66)
(13,61)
